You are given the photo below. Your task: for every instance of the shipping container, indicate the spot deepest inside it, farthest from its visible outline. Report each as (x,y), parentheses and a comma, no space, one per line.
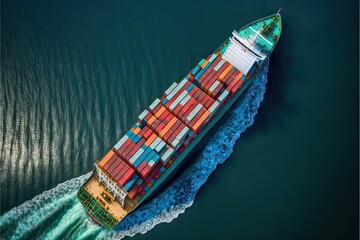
(208,70)
(226,70)
(168,91)
(131,182)
(121,173)
(118,168)
(106,158)
(121,142)
(126,177)
(166,154)
(154,104)
(176,89)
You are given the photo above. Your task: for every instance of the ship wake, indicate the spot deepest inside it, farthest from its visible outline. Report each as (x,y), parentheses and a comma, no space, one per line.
(57,214)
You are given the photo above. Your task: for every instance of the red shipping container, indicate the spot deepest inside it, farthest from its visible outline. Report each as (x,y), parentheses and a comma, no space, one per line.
(133,192)
(156,109)
(213,64)
(190,109)
(111,161)
(237,86)
(193,90)
(134,149)
(171,138)
(147,134)
(146,170)
(208,77)
(117,169)
(208,85)
(227,76)
(160,127)
(114,165)
(177,109)
(127,147)
(143,131)
(163,116)
(129,173)
(124,146)
(217,74)
(141,166)
(232,77)
(187,107)
(169,117)
(201,96)
(122,172)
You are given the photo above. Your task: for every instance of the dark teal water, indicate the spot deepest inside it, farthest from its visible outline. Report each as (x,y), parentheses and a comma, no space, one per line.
(75,74)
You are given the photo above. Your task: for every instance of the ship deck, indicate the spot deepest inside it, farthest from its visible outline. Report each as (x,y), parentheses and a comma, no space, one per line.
(106,199)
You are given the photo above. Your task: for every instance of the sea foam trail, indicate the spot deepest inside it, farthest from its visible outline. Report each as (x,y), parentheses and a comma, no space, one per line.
(57,214)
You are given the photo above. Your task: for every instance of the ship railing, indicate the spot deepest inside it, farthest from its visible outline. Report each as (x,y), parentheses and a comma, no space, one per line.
(111,186)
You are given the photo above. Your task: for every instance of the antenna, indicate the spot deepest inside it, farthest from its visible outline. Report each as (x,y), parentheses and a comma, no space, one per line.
(279,10)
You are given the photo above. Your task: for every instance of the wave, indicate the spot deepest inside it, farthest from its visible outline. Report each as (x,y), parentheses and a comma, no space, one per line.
(57,214)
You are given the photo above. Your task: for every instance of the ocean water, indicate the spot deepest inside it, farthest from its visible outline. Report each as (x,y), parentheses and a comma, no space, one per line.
(75,74)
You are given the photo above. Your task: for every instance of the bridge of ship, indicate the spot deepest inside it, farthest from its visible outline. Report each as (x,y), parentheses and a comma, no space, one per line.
(252,43)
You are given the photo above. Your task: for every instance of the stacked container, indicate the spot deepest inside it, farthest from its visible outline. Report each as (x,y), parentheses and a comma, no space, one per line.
(170,124)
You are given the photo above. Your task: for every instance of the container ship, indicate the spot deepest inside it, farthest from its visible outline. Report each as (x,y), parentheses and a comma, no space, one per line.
(170,130)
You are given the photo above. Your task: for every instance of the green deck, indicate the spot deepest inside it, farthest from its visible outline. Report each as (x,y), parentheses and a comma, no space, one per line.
(93,207)
(271,29)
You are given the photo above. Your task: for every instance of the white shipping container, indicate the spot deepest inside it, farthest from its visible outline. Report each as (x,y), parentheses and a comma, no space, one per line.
(218,66)
(183,133)
(179,98)
(151,163)
(136,155)
(155,143)
(185,100)
(168,91)
(154,104)
(194,112)
(175,143)
(121,142)
(166,154)
(176,89)
(223,96)
(214,86)
(212,58)
(160,146)
(143,114)
(214,107)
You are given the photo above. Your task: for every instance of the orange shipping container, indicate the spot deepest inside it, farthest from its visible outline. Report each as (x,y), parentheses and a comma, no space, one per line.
(201,120)
(150,139)
(106,158)
(161,110)
(222,75)
(136,130)
(167,127)
(151,120)
(238,77)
